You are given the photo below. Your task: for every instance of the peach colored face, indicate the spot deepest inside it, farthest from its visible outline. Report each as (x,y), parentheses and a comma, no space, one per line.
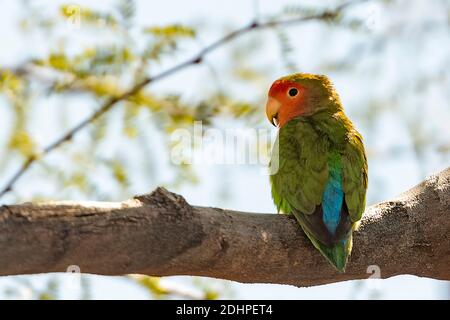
(286,100)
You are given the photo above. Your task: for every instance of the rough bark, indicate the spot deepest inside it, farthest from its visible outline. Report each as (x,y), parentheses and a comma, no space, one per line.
(161,234)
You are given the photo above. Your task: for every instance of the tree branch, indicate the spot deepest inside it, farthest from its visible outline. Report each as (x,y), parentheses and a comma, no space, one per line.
(197,59)
(161,234)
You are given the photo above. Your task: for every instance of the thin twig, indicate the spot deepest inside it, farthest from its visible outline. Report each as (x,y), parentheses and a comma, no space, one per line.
(197,59)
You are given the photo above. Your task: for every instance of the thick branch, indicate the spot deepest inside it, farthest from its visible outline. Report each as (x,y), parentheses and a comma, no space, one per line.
(161,234)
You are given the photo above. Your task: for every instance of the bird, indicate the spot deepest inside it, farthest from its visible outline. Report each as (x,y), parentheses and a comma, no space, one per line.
(318,165)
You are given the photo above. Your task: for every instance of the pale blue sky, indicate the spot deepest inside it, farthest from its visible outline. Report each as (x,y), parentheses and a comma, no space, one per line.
(314,45)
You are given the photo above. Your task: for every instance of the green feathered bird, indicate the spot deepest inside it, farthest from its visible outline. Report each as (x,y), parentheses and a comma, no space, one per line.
(318,164)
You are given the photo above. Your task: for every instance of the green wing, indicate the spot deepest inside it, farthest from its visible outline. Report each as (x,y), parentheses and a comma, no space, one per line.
(355,175)
(299,167)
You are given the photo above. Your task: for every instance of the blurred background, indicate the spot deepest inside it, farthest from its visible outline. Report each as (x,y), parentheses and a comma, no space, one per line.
(59,60)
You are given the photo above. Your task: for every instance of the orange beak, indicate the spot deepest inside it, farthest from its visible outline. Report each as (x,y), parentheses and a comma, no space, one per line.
(272,109)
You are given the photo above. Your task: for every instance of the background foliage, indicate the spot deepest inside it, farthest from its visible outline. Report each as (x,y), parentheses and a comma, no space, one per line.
(390,61)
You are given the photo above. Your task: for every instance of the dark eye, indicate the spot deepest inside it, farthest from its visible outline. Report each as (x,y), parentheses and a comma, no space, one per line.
(293,92)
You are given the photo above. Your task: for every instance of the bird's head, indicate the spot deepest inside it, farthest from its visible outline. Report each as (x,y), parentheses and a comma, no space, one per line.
(300,94)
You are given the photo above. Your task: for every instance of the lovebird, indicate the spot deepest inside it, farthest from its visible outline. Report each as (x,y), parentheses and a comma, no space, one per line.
(318,166)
